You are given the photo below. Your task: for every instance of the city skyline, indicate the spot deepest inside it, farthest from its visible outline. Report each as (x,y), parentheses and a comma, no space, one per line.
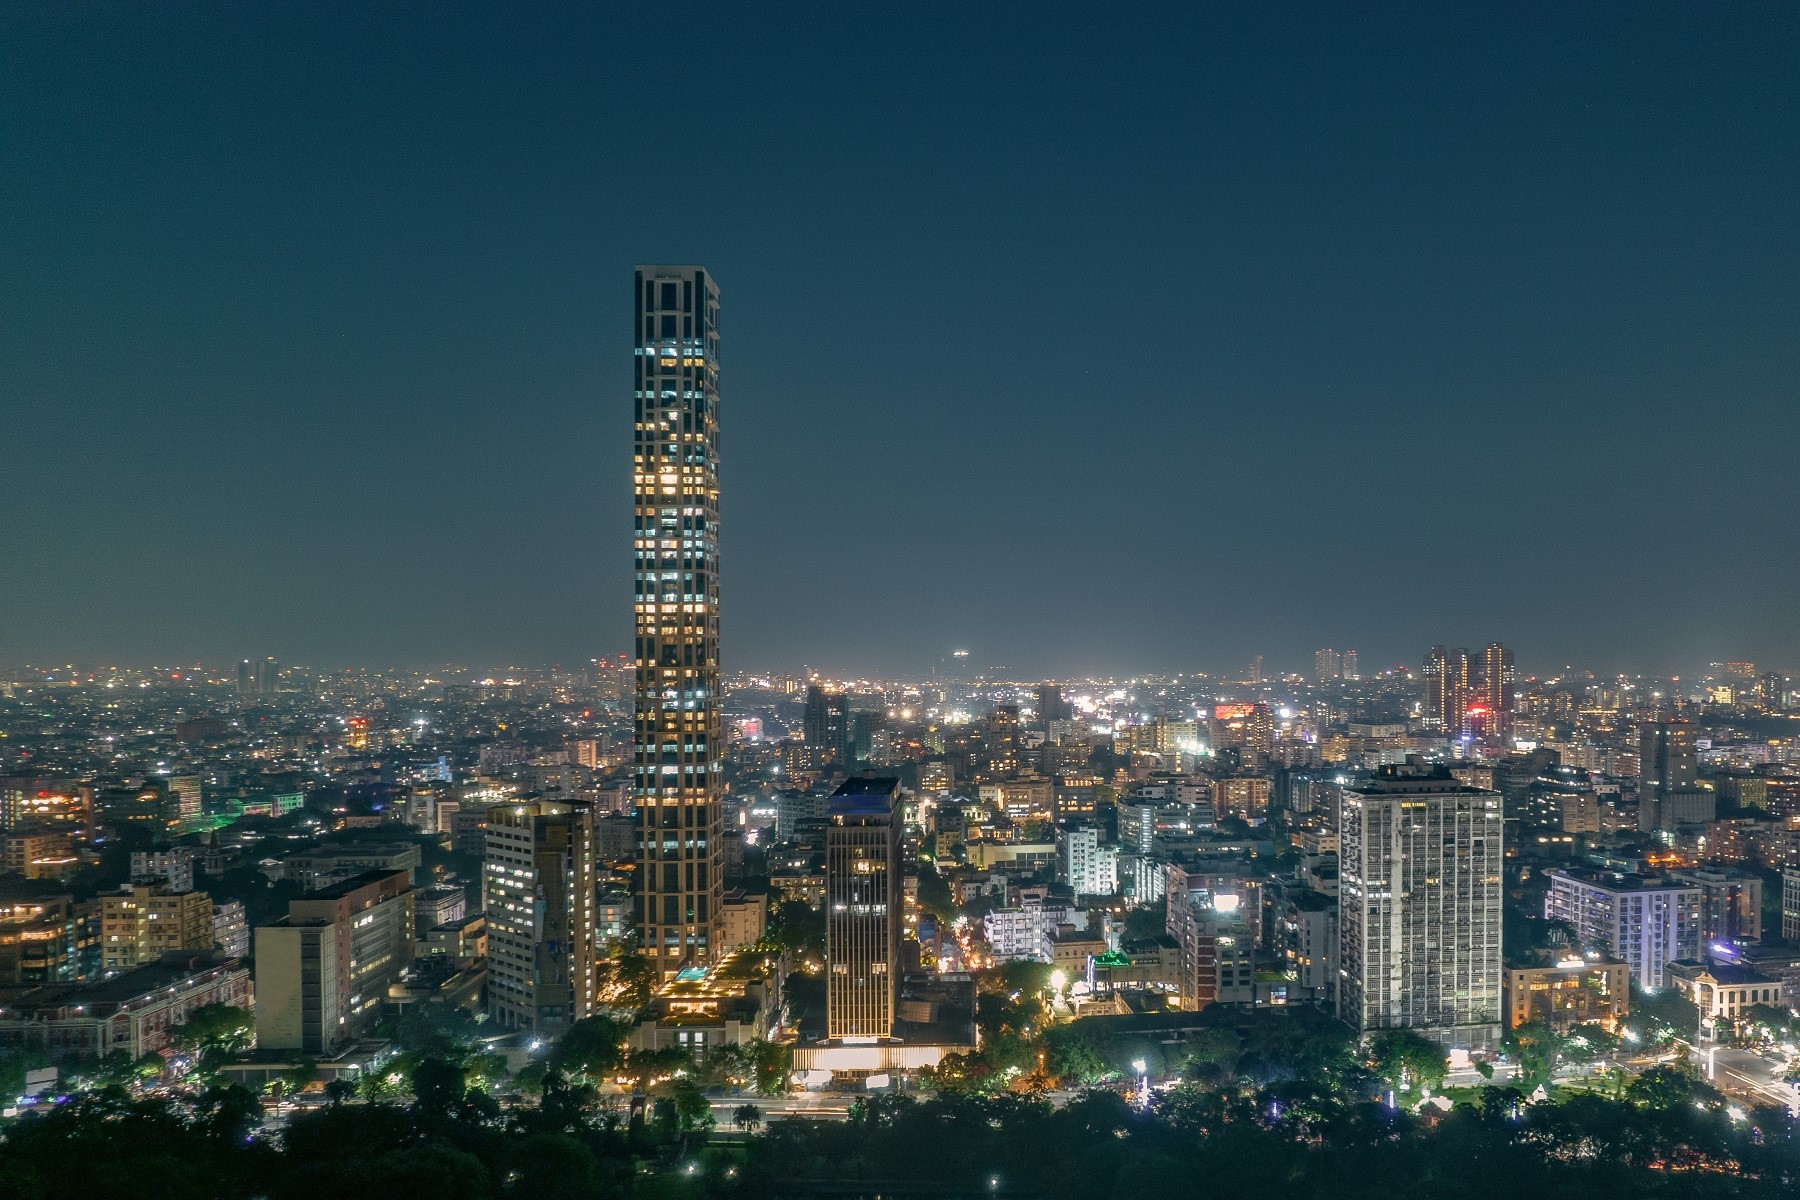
(345,397)
(1209,616)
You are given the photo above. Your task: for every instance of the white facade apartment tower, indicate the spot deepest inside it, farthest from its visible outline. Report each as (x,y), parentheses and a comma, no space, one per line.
(1420,865)
(538,887)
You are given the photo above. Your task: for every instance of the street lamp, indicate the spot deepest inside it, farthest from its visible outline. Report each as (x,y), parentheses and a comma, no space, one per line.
(1138,1065)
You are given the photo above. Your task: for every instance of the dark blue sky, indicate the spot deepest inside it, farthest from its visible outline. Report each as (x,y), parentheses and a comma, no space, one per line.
(1106,339)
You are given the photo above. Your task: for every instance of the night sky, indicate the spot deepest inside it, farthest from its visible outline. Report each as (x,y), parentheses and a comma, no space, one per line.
(1135,337)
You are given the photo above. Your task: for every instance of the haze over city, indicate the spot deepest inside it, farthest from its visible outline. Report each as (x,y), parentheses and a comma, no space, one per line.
(1099,345)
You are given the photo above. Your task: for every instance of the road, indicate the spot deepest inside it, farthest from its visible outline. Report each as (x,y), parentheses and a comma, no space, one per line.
(1745,1074)
(817,1106)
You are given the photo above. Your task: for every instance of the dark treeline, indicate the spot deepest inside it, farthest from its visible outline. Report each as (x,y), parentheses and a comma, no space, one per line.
(1665,1135)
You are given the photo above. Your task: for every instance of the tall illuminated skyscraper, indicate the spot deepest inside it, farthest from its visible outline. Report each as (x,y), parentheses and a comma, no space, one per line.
(1497,689)
(1449,675)
(678,773)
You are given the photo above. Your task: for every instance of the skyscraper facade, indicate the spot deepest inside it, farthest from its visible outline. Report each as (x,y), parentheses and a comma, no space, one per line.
(1497,689)
(677,769)
(1666,758)
(862,909)
(826,725)
(538,886)
(1448,677)
(1669,792)
(1420,906)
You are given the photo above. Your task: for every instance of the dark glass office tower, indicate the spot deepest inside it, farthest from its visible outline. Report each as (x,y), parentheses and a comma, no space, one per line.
(863,890)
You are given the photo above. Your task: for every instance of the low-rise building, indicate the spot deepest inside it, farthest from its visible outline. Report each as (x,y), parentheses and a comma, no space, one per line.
(1723,991)
(744,918)
(171,866)
(40,853)
(324,866)
(934,1017)
(1573,990)
(1145,964)
(438,905)
(460,941)
(131,1013)
(736,1001)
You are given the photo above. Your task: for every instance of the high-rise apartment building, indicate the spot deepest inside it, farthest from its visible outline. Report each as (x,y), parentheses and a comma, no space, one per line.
(1002,738)
(1449,678)
(1249,728)
(1731,904)
(1328,665)
(863,893)
(1436,663)
(1669,792)
(1666,758)
(1349,665)
(826,725)
(1051,706)
(1420,859)
(1497,677)
(1790,904)
(678,772)
(538,884)
(1085,864)
(1647,922)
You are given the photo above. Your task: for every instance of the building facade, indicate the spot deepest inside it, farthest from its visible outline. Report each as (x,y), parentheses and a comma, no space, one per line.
(1089,868)
(538,886)
(1790,905)
(144,922)
(132,1013)
(1419,919)
(1571,991)
(863,915)
(1649,923)
(323,971)
(678,770)
(1730,904)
